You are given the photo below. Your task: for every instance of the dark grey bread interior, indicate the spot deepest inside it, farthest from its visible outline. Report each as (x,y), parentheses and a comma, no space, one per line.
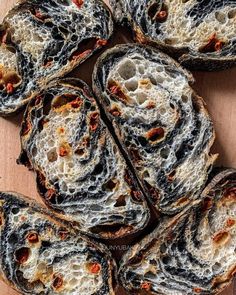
(192,254)
(80,170)
(160,121)
(41,40)
(201,33)
(40,254)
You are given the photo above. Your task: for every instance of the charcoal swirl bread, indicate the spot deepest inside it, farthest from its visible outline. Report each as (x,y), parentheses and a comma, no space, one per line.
(40,254)
(80,171)
(200,33)
(192,254)
(42,40)
(160,121)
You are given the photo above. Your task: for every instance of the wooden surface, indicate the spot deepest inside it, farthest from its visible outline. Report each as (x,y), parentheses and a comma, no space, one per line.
(218,90)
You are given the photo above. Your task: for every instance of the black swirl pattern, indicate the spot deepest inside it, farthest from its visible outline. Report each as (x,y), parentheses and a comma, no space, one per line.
(162,124)
(41,40)
(80,171)
(197,32)
(42,255)
(192,254)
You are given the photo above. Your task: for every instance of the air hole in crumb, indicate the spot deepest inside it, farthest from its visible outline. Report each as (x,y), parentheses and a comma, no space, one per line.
(63,100)
(184,98)
(220,17)
(153,80)
(22,255)
(153,9)
(127,70)
(131,85)
(163,111)
(159,79)
(141,70)
(34,151)
(52,155)
(141,97)
(11,77)
(15,211)
(121,202)
(80,152)
(232,14)
(146,174)
(216,267)
(110,185)
(98,169)
(164,153)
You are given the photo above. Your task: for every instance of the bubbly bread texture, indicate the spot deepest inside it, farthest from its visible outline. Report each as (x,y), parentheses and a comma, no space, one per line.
(161,123)
(80,170)
(192,254)
(43,255)
(201,33)
(42,40)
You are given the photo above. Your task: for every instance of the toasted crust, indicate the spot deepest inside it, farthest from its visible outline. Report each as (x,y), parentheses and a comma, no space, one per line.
(43,40)
(160,121)
(194,253)
(197,33)
(81,173)
(40,253)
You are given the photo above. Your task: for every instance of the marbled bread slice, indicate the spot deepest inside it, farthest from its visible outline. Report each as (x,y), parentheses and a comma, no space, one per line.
(80,171)
(194,253)
(161,122)
(40,254)
(42,40)
(200,33)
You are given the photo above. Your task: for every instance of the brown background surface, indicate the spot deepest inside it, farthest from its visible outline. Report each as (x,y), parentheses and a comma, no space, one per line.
(218,90)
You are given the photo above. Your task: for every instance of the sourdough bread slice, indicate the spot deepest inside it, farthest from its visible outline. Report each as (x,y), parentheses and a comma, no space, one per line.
(40,254)
(193,253)
(80,170)
(42,40)
(201,34)
(160,121)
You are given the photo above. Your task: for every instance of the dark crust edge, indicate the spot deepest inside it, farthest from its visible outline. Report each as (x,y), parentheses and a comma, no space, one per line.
(185,58)
(166,225)
(112,266)
(99,96)
(69,68)
(23,159)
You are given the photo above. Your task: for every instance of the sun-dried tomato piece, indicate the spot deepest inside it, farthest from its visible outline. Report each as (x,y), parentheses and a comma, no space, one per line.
(78,3)
(33,238)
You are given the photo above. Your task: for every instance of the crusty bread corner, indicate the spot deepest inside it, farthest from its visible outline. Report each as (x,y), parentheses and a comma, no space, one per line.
(162,124)
(194,253)
(44,40)
(201,35)
(41,254)
(81,174)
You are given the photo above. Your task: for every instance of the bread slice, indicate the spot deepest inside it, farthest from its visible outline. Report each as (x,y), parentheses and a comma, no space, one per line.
(42,40)
(192,254)
(80,170)
(160,121)
(40,254)
(201,34)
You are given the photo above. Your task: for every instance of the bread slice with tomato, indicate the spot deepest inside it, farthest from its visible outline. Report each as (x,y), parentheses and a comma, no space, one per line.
(200,34)
(41,254)
(81,173)
(194,253)
(161,123)
(43,40)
